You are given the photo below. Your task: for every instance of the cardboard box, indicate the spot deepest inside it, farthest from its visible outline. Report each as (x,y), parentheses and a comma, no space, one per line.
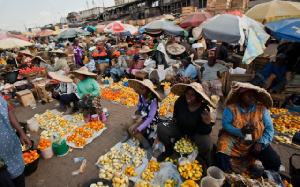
(247,77)
(26,97)
(42,93)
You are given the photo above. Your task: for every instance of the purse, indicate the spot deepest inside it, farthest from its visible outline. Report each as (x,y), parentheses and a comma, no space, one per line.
(294,172)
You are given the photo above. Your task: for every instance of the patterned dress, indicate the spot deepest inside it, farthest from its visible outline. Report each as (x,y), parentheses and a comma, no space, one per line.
(10,145)
(234,146)
(151,128)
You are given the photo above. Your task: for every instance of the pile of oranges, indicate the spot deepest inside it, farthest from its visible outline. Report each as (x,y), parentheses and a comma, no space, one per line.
(277,111)
(167,104)
(30,156)
(44,144)
(126,96)
(287,123)
(94,125)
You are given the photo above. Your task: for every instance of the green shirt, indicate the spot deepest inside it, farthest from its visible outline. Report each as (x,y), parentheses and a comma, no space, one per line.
(60,63)
(88,86)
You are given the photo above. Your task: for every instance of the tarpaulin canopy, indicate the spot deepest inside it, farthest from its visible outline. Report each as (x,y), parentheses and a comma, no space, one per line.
(71,33)
(164,27)
(9,43)
(195,19)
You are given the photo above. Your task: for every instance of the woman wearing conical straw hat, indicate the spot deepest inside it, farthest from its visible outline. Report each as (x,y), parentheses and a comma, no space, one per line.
(147,112)
(191,119)
(247,130)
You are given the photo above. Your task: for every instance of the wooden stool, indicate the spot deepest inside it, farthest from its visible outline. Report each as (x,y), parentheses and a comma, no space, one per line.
(141,76)
(278,98)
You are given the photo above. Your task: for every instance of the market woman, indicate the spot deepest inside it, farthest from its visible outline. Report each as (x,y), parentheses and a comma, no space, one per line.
(136,65)
(77,52)
(61,63)
(143,128)
(191,119)
(88,92)
(247,130)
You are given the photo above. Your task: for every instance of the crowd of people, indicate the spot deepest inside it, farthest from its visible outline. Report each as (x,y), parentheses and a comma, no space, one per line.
(160,59)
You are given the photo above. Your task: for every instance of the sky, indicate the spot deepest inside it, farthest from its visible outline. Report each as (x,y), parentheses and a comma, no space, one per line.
(18,14)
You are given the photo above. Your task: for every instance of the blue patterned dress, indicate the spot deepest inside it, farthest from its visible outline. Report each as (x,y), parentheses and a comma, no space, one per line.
(10,145)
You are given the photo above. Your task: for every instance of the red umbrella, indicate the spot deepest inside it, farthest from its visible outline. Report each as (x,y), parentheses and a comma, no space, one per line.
(5,34)
(114,27)
(195,19)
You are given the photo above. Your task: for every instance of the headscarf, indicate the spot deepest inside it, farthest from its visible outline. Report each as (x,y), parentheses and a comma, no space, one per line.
(136,56)
(108,45)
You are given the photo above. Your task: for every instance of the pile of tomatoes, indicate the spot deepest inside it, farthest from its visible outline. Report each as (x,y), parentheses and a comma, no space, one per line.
(30,70)
(132,52)
(30,156)
(44,144)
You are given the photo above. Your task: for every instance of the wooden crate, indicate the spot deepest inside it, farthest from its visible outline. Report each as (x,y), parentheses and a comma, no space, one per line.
(247,77)
(260,62)
(42,93)
(200,52)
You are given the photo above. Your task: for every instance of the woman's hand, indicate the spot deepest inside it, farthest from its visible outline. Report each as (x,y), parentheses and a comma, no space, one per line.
(248,129)
(206,117)
(25,140)
(257,147)
(135,131)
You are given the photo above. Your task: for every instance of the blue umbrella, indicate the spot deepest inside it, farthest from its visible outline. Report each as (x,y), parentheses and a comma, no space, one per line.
(89,28)
(142,30)
(288,29)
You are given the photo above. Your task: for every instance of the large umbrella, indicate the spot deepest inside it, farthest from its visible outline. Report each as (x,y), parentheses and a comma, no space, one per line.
(230,28)
(6,34)
(130,30)
(100,28)
(27,33)
(89,28)
(164,27)
(114,27)
(57,32)
(44,33)
(288,29)
(71,33)
(274,10)
(9,43)
(195,19)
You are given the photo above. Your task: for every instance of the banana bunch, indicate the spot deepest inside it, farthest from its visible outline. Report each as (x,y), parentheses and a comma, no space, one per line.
(114,153)
(137,161)
(120,180)
(99,184)
(147,175)
(132,150)
(191,171)
(77,117)
(129,171)
(143,184)
(106,172)
(140,152)
(154,166)
(184,146)
(189,183)
(104,160)
(125,146)
(168,159)
(117,165)
(125,158)
(283,139)
(170,183)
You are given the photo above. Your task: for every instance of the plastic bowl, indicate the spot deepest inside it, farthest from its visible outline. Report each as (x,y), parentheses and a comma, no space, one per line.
(87,184)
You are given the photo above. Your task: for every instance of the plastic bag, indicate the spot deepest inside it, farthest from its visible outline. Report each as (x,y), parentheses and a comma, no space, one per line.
(57,141)
(193,156)
(273,176)
(166,171)
(81,169)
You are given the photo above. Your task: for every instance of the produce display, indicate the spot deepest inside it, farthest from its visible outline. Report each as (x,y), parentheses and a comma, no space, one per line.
(170,183)
(44,144)
(81,134)
(120,180)
(106,172)
(129,171)
(191,171)
(30,70)
(287,124)
(46,134)
(126,96)
(154,166)
(189,183)
(239,180)
(143,184)
(277,111)
(167,105)
(99,184)
(168,159)
(147,175)
(30,156)
(184,146)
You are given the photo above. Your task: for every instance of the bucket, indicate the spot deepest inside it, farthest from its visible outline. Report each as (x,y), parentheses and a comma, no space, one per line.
(47,153)
(209,182)
(95,117)
(106,82)
(110,81)
(32,167)
(126,83)
(215,99)
(167,91)
(60,150)
(216,174)
(11,77)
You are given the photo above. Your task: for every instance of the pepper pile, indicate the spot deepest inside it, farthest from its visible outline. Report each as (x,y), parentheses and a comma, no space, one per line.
(30,156)
(30,70)
(44,144)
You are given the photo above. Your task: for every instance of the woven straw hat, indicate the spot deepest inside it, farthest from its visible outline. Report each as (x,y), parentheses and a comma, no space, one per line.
(26,52)
(60,52)
(85,71)
(180,88)
(136,85)
(262,96)
(175,49)
(60,76)
(38,57)
(145,49)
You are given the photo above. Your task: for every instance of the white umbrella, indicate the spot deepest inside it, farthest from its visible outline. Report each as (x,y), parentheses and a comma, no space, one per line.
(9,43)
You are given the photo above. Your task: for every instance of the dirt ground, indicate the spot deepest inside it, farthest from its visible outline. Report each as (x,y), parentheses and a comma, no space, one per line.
(56,171)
